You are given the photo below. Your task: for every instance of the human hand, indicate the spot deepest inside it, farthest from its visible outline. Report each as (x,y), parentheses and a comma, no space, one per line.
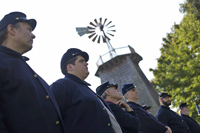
(168,129)
(123,104)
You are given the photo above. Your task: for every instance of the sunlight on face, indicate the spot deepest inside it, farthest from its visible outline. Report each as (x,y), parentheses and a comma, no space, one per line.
(80,68)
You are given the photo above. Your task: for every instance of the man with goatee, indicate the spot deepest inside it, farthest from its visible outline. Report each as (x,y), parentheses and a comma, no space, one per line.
(169,117)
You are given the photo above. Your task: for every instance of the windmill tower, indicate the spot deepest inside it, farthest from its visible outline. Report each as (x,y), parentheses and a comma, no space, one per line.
(122,68)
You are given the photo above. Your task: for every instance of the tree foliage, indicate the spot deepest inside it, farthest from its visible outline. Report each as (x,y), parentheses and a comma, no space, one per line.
(178,69)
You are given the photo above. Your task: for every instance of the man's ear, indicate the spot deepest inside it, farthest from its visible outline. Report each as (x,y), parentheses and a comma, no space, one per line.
(69,67)
(160,100)
(11,29)
(107,92)
(126,95)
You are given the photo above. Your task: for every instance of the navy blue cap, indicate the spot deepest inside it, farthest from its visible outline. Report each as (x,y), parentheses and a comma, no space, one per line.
(73,52)
(100,89)
(146,107)
(182,105)
(164,94)
(127,87)
(15,17)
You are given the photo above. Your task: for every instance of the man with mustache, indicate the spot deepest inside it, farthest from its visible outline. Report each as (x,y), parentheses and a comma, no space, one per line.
(169,117)
(184,112)
(82,110)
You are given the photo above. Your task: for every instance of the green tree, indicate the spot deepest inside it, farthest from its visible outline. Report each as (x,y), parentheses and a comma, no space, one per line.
(178,70)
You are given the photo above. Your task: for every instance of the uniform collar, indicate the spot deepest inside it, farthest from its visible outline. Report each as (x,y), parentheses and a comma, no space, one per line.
(12,52)
(73,77)
(164,107)
(109,101)
(135,104)
(184,115)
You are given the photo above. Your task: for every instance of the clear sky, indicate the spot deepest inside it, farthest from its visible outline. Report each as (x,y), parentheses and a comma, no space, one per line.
(140,24)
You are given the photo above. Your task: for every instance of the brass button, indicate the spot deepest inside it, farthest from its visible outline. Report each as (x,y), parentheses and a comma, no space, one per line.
(108,124)
(182,120)
(57,122)
(104,109)
(73,54)
(35,76)
(47,97)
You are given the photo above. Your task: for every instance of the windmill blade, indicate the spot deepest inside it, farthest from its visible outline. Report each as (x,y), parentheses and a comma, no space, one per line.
(99,39)
(100,20)
(92,35)
(112,30)
(105,21)
(90,28)
(109,34)
(95,20)
(111,26)
(93,24)
(104,40)
(94,38)
(108,38)
(109,23)
(91,31)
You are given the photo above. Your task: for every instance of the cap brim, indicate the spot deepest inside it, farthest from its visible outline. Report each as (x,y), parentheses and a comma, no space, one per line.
(165,96)
(115,85)
(85,56)
(32,23)
(148,107)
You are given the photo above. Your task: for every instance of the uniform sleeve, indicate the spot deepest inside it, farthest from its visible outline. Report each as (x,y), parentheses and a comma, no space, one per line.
(162,118)
(2,123)
(61,95)
(126,120)
(132,113)
(149,123)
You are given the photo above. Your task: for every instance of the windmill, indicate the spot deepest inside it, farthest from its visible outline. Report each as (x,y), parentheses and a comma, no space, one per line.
(100,31)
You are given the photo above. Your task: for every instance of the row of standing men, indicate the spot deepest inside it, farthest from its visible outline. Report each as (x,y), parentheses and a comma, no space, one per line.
(29,105)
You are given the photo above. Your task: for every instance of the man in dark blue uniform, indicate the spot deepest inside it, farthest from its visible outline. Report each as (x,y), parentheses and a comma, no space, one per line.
(184,112)
(82,110)
(169,117)
(26,103)
(147,108)
(148,122)
(126,118)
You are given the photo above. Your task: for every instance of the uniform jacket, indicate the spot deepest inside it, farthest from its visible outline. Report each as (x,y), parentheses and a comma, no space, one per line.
(26,103)
(80,107)
(172,119)
(193,125)
(148,122)
(127,120)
